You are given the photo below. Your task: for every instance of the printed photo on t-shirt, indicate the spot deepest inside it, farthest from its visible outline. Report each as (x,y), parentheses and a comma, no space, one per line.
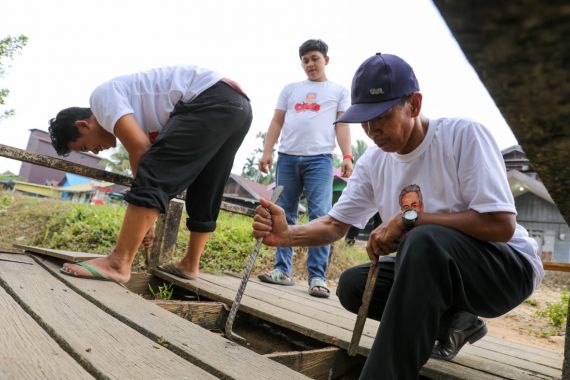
(411,198)
(310,103)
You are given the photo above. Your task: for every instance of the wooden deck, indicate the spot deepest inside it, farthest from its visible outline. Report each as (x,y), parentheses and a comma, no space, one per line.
(326,320)
(59,327)
(56,326)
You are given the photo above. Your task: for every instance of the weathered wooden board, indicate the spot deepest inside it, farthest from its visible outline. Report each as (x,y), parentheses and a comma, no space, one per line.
(102,344)
(59,254)
(290,307)
(321,364)
(195,344)
(27,351)
(284,315)
(528,353)
(328,311)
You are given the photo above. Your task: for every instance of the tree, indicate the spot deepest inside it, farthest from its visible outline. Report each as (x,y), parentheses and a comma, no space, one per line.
(118,162)
(8,47)
(359,149)
(251,170)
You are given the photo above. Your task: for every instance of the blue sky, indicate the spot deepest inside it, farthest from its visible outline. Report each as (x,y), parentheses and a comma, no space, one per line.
(76,45)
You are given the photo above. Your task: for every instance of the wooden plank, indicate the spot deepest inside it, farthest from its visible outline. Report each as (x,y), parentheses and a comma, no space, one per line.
(27,351)
(533,369)
(281,316)
(442,370)
(217,355)
(332,314)
(60,254)
(64,165)
(554,266)
(166,234)
(102,344)
(321,331)
(321,364)
(527,353)
(208,315)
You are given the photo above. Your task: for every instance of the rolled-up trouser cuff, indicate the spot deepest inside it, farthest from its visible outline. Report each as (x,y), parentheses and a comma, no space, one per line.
(200,226)
(150,197)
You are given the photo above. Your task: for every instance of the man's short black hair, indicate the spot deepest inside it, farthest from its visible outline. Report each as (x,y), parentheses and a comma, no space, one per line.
(62,128)
(312,45)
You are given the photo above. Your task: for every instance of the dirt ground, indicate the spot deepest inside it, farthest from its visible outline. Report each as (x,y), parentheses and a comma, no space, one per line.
(523,325)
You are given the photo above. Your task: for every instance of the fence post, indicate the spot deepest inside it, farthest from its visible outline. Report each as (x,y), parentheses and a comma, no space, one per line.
(166,232)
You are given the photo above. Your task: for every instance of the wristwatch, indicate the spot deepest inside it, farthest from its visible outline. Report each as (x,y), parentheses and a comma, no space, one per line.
(410,218)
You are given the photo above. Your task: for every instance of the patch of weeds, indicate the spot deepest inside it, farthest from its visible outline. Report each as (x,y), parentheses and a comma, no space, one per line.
(556,313)
(164,291)
(531,302)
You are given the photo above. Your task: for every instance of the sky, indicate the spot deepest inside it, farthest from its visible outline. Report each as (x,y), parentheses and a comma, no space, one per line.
(74,45)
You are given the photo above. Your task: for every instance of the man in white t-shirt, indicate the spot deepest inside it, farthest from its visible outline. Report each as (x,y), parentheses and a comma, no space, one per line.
(304,118)
(441,190)
(182,126)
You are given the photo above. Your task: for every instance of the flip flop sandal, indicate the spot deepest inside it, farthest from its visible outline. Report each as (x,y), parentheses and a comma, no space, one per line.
(276,277)
(171,269)
(95,274)
(318,288)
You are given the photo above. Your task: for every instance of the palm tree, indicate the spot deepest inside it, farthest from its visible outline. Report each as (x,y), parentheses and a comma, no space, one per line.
(119,161)
(359,149)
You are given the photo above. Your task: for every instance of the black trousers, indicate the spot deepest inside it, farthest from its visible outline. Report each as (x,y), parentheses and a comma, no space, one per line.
(436,272)
(194,152)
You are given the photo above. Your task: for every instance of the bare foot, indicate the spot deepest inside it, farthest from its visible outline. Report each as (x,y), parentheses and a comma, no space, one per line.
(103,266)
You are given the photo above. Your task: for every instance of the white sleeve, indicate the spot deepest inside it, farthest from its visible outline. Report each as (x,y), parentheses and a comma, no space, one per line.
(283,98)
(481,170)
(344,100)
(356,204)
(109,102)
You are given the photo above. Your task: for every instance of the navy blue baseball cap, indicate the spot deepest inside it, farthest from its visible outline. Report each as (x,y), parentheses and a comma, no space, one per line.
(379,83)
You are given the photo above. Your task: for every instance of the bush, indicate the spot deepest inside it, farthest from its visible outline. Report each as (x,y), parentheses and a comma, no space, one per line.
(556,313)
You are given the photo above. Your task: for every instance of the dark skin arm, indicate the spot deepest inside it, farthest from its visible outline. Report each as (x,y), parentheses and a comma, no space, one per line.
(133,138)
(270,224)
(491,226)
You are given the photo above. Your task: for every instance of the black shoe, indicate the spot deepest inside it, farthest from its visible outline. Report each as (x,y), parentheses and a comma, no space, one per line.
(449,348)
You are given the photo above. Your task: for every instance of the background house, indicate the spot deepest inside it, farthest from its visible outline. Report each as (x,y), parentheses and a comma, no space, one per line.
(40,142)
(536,209)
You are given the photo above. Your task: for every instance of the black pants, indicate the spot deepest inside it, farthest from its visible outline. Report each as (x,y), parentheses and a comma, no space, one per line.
(436,272)
(194,152)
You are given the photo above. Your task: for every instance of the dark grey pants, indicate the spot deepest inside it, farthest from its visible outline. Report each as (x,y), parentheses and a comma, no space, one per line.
(436,272)
(194,152)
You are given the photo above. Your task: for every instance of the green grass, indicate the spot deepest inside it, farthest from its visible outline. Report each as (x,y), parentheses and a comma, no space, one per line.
(84,228)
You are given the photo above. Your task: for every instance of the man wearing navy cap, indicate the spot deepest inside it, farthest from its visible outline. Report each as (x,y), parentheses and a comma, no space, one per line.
(459,255)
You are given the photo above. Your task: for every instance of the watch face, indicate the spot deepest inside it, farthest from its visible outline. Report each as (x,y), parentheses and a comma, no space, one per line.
(411,215)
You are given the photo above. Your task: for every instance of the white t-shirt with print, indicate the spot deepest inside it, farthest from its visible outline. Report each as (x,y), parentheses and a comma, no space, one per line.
(458,166)
(310,110)
(149,95)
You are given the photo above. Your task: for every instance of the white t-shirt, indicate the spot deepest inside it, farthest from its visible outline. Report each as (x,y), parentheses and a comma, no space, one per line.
(310,111)
(457,167)
(149,95)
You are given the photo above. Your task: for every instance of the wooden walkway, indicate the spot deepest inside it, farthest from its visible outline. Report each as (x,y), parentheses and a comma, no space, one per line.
(325,320)
(58,327)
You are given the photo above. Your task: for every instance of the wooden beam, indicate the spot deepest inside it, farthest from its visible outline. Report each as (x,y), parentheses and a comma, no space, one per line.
(324,363)
(554,266)
(167,227)
(64,165)
(209,315)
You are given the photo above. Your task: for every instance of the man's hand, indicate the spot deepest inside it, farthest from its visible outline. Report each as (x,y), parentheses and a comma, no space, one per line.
(385,238)
(266,162)
(270,224)
(149,237)
(346,167)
